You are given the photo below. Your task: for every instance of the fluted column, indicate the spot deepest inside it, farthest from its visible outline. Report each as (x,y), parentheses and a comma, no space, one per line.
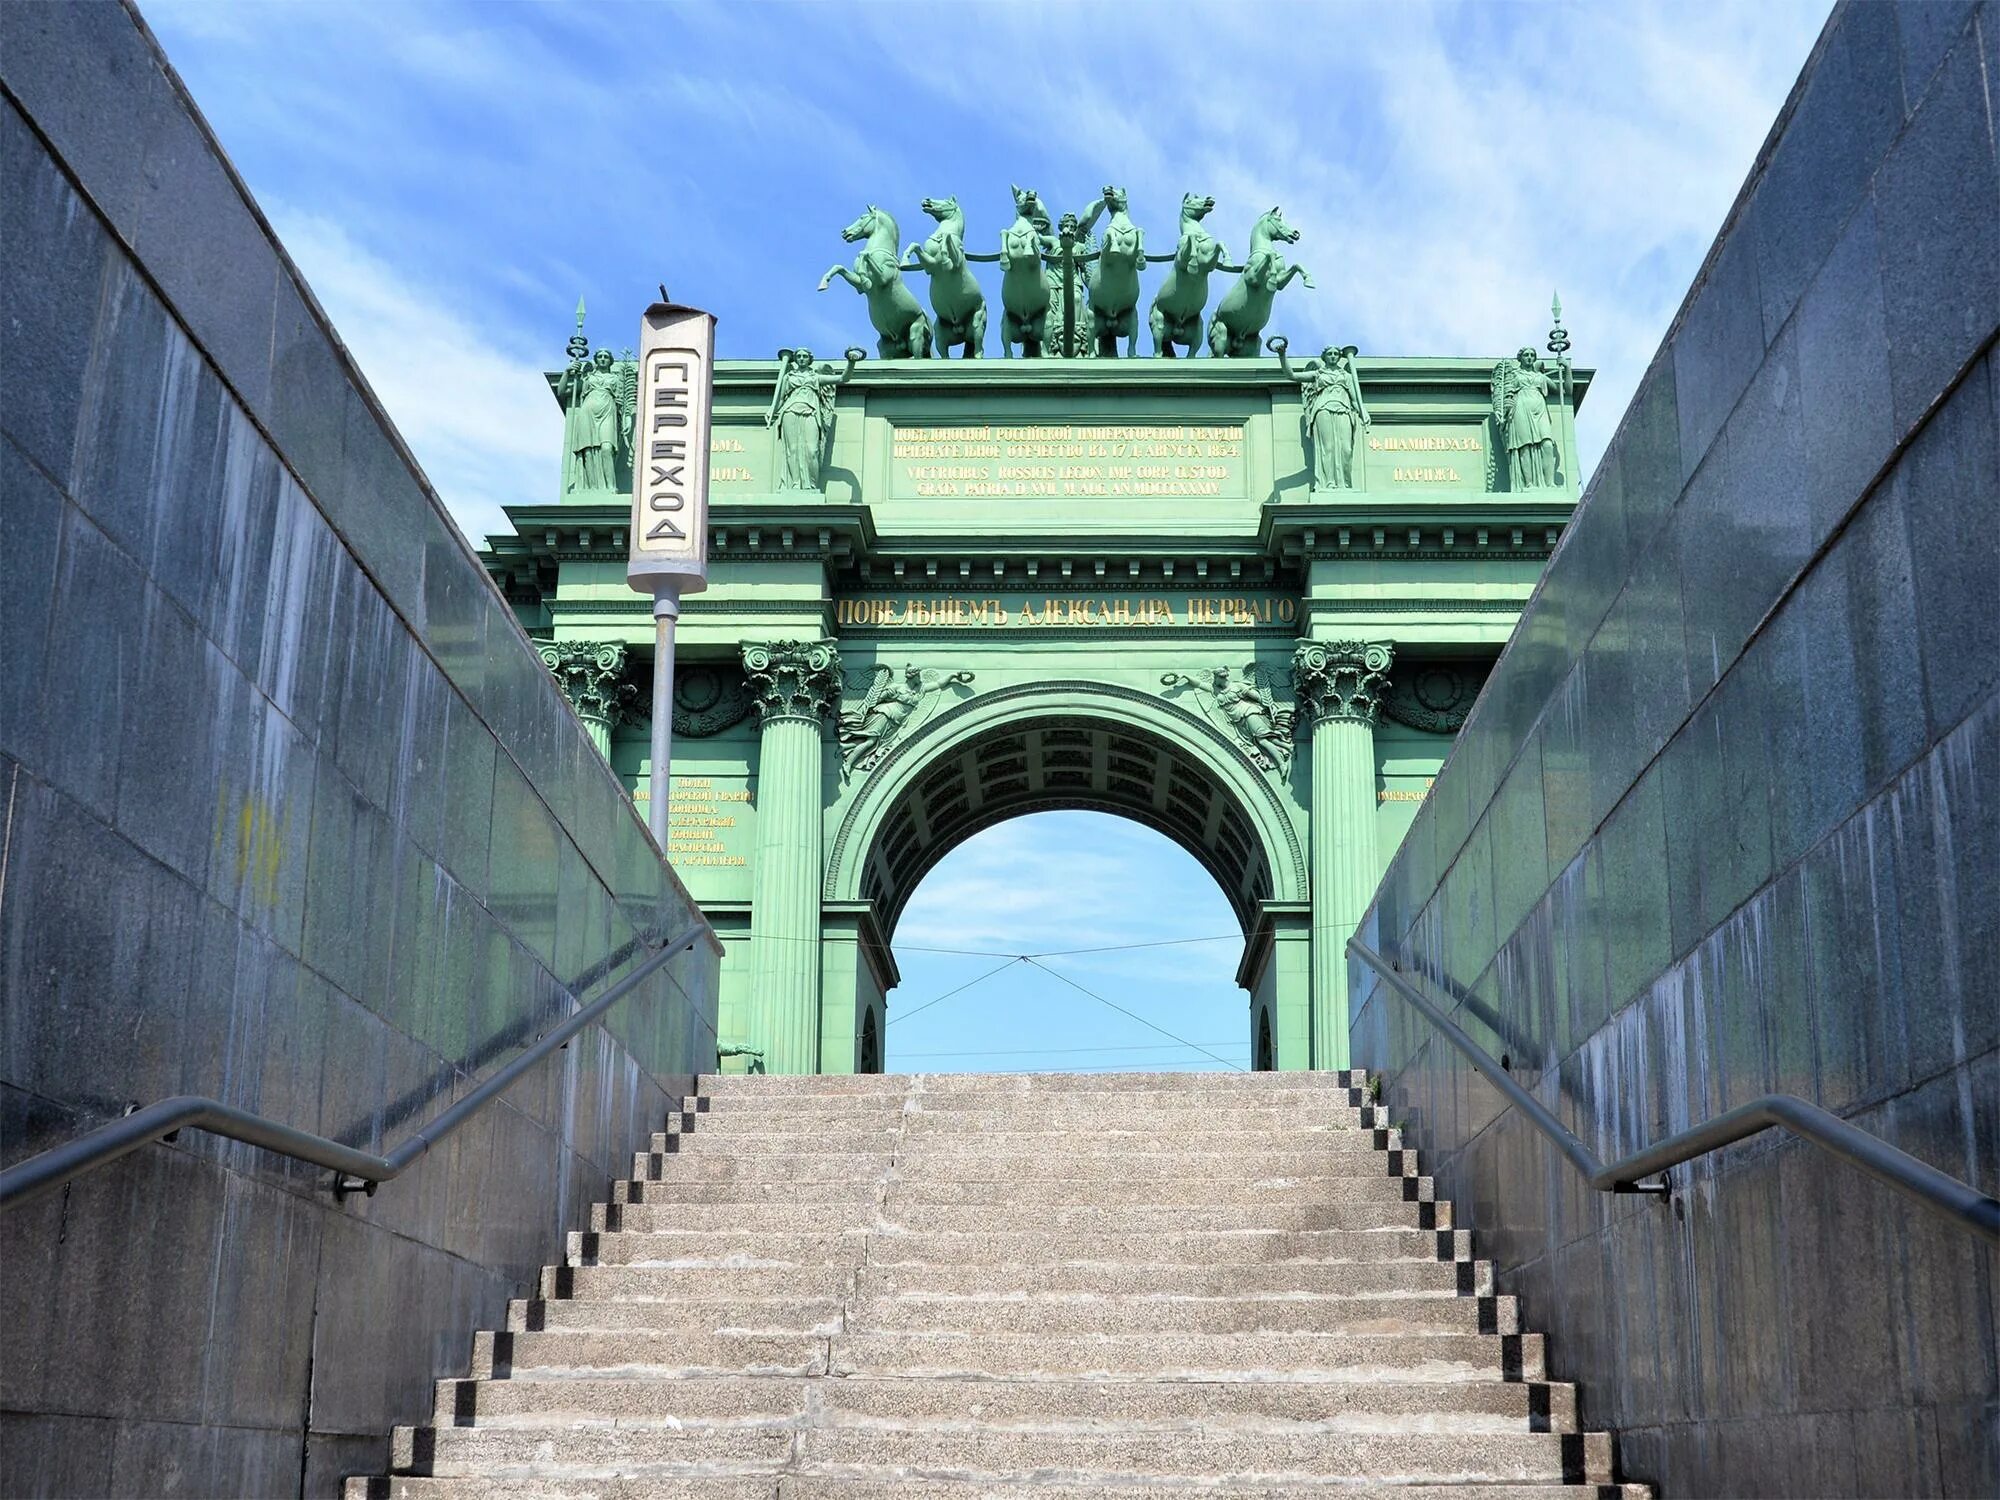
(795,685)
(1340,685)
(591,675)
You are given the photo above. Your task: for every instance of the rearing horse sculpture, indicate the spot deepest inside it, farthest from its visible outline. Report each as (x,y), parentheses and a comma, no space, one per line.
(1113,275)
(1178,304)
(955,296)
(878,275)
(1024,288)
(1245,308)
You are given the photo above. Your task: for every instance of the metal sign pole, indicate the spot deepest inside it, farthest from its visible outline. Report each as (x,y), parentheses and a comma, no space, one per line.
(666,613)
(669,536)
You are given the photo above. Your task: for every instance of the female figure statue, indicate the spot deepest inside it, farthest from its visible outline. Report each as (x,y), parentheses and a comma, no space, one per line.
(1335,413)
(1521,391)
(597,422)
(802,411)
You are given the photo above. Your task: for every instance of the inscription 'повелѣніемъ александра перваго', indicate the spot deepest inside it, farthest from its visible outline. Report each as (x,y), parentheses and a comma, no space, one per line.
(1115,611)
(1058,460)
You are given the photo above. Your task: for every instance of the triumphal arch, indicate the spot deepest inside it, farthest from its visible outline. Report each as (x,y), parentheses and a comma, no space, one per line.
(1079,533)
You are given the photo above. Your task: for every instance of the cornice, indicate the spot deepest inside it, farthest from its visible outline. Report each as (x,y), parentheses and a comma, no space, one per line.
(1382,377)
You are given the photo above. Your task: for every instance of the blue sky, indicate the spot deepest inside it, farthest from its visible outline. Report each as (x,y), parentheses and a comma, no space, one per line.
(450,177)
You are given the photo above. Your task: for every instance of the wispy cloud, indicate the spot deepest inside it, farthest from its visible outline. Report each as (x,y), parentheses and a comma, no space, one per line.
(1448,163)
(477,414)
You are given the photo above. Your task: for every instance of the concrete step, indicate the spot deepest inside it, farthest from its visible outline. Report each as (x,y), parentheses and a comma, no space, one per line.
(749,1248)
(1181,1356)
(1160,1356)
(883,1110)
(943,1148)
(1408,1458)
(1083,1313)
(1247,1405)
(789,1315)
(806,1140)
(1083,1119)
(1030,1189)
(684,1165)
(543,1487)
(698,1282)
(1250,1405)
(1303,1451)
(763,1217)
(1051,1190)
(927,1487)
(496,1356)
(1086,1313)
(1348,1152)
(784,1218)
(1133,1111)
(1344,1278)
(746,1249)
(919,1487)
(1411,1278)
(680,1449)
(767,1087)
(1016,1135)
(674,1189)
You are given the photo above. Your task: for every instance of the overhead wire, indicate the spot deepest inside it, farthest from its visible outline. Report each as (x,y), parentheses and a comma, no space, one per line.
(1068,1051)
(1085,989)
(792,937)
(959,991)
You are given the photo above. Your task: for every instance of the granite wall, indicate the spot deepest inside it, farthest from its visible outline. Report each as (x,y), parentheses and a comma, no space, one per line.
(293,816)
(1726,821)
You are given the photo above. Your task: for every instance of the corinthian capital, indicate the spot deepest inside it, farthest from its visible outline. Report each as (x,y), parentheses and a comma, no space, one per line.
(1342,679)
(591,675)
(793,679)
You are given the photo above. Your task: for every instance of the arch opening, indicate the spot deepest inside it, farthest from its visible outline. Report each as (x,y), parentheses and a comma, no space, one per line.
(1135,955)
(1062,762)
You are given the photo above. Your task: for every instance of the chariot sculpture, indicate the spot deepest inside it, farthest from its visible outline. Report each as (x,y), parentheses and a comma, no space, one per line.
(1063,292)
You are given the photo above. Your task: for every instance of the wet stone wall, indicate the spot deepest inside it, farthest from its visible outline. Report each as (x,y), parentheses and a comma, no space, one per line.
(292,817)
(1726,821)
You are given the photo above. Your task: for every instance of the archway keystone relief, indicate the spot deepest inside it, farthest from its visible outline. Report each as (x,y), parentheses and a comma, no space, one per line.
(1242,601)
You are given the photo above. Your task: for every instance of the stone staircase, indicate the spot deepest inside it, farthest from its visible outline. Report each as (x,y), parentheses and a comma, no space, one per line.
(959,1285)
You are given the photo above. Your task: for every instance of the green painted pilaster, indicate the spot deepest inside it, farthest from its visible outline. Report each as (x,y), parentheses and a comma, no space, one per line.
(795,684)
(1340,685)
(1277,972)
(855,979)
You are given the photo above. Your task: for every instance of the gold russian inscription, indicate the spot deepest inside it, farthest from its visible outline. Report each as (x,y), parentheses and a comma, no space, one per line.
(1423,443)
(695,835)
(1093,611)
(1061,460)
(1406,794)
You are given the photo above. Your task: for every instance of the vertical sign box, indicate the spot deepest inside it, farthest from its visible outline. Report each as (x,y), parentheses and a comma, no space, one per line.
(669,547)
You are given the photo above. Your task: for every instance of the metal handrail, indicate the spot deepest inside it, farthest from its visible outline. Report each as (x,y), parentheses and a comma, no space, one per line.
(1938,1191)
(354,1170)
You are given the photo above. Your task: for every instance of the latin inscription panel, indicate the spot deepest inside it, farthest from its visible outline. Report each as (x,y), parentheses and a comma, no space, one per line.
(1063,460)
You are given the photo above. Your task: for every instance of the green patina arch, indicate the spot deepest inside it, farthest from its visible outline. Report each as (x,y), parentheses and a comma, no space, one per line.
(1034,747)
(999,586)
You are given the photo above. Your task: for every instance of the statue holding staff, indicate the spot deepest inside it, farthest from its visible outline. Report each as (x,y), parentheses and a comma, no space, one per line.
(597,421)
(1521,390)
(1335,414)
(802,411)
